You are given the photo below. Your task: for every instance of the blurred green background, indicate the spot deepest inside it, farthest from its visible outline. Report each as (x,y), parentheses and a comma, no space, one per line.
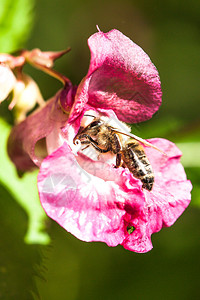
(32,266)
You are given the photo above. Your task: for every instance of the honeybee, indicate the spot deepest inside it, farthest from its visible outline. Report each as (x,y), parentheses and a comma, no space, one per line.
(129,153)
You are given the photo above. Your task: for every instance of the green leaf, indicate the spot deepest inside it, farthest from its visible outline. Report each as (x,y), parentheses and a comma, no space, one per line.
(23,190)
(193,175)
(16,18)
(191,154)
(20,263)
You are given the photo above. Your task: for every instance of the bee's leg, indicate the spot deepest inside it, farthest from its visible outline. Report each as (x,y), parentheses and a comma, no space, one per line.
(94,144)
(123,165)
(118,160)
(99,149)
(85,147)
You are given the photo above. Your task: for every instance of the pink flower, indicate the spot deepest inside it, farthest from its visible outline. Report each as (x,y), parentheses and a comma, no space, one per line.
(84,193)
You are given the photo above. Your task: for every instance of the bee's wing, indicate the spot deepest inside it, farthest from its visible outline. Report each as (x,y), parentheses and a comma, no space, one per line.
(137,138)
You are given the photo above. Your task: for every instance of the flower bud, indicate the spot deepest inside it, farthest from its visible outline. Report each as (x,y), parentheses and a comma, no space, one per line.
(43,58)
(26,94)
(7,82)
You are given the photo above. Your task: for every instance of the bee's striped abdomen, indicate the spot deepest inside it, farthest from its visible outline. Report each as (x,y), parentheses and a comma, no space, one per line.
(138,164)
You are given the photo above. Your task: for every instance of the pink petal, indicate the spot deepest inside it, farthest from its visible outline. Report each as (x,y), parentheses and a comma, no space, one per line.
(121,77)
(97,202)
(25,135)
(171,192)
(90,207)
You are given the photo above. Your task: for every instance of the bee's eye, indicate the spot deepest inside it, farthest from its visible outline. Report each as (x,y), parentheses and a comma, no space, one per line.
(95,123)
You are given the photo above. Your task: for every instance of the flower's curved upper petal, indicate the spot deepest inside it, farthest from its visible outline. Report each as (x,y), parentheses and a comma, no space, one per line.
(25,135)
(121,77)
(91,205)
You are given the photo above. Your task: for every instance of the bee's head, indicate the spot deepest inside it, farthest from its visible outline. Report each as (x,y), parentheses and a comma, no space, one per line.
(92,130)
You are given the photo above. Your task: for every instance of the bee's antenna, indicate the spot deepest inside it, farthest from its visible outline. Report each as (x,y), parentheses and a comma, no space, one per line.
(89,116)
